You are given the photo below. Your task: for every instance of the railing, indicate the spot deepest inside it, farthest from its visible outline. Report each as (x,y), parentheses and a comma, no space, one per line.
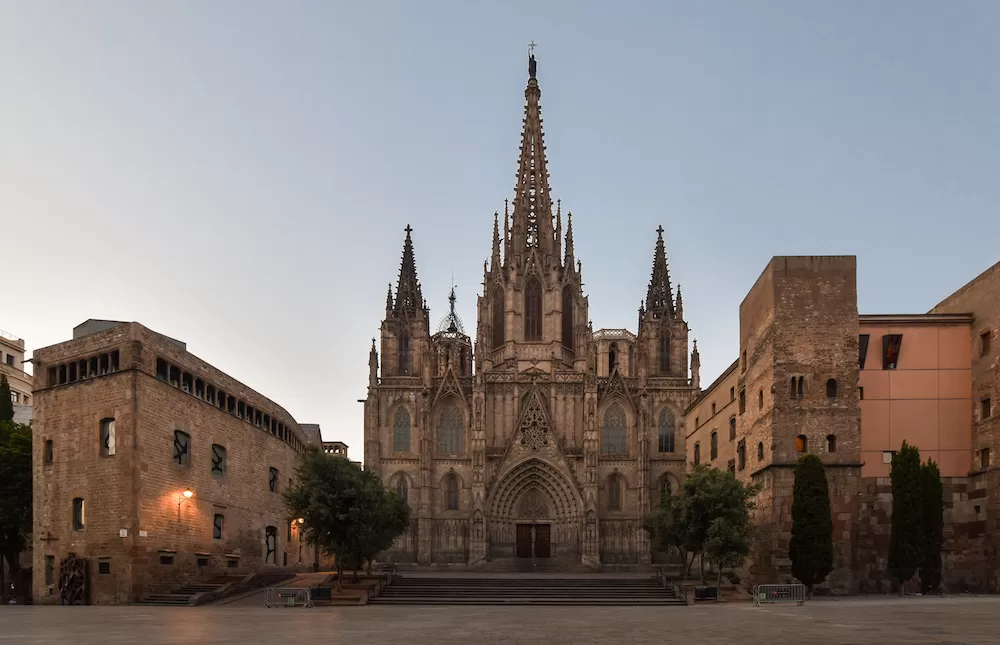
(288,597)
(778,594)
(8,336)
(669,583)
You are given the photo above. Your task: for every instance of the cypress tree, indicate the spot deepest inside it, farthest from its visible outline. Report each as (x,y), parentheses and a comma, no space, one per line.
(6,405)
(811,548)
(932,527)
(907,502)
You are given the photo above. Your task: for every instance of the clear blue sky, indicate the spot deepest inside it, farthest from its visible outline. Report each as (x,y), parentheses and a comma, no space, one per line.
(238,174)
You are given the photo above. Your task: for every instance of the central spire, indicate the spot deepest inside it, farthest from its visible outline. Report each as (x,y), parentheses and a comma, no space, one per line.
(660,295)
(409,297)
(532,226)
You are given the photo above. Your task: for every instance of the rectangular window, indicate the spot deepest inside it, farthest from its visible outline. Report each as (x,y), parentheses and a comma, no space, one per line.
(79,514)
(984,458)
(741,454)
(107,437)
(182,448)
(202,562)
(166,559)
(50,570)
(161,369)
(731,466)
(10,360)
(272,480)
(887,456)
(861,393)
(713,408)
(104,567)
(987,408)
(984,343)
(218,460)
(732,394)
(891,344)
(217,524)
(232,564)
(743,401)
(862,349)
(47,454)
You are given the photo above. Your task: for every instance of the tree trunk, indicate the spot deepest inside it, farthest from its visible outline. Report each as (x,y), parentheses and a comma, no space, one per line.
(718,580)
(701,567)
(809,591)
(340,573)
(687,570)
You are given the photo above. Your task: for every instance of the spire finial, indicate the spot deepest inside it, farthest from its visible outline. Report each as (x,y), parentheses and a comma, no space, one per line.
(409,297)
(659,296)
(532,65)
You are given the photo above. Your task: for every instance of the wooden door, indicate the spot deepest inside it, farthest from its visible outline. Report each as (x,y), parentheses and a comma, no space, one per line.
(542,545)
(524,540)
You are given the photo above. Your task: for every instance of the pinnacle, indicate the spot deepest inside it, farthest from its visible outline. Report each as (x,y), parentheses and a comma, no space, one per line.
(659,296)
(409,298)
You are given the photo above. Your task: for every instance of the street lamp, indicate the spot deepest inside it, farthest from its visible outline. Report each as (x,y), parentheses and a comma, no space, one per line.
(185,496)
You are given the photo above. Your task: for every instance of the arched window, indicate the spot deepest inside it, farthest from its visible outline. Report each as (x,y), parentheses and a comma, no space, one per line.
(732,428)
(697,454)
(801,443)
(760,451)
(498,318)
(107,437)
(451,492)
(741,455)
(760,400)
(612,357)
(715,445)
(831,443)
(403,352)
(831,388)
(794,389)
(567,317)
(665,429)
(402,489)
(450,429)
(532,310)
(664,352)
(270,545)
(79,514)
(666,490)
(801,387)
(614,493)
(401,431)
(615,431)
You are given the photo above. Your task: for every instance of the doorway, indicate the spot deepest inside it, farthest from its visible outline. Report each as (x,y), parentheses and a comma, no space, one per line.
(534,540)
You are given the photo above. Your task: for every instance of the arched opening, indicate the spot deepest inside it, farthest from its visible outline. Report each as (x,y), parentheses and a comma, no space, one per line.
(614,431)
(831,443)
(612,357)
(403,352)
(760,451)
(615,493)
(402,488)
(665,431)
(801,386)
(664,352)
(792,393)
(831,388)
(451,429)
(715,445)
(532,310)
(760,400)
(567,317)
(741,456)
(271,545)
(665,489)
(697,454)
(451,492)
(497,306)
(801,443)
(401,430)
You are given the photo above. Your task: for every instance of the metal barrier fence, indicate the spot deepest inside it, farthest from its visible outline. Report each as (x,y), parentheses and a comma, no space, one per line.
(288,597)
(778,594)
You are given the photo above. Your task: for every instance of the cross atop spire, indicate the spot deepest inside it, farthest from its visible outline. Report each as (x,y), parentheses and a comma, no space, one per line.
(660,295)
(409,298)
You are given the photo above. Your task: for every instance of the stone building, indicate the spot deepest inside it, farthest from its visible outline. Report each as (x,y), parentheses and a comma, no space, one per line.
(814,376)
(12,366)
(155,467)
(540,439)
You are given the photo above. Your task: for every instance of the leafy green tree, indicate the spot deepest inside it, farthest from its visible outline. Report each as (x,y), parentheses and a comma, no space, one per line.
(6,405)
(932,526)
(907,494)
(15,493)
(346,511)
(811,548)
(727,543)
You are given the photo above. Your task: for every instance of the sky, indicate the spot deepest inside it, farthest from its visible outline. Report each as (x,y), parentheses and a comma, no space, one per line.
(238,174)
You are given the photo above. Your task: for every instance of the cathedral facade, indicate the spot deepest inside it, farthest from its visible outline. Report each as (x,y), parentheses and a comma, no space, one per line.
(541,440)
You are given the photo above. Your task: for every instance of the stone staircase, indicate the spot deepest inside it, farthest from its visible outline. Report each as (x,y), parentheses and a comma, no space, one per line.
(182,597)
(474,589)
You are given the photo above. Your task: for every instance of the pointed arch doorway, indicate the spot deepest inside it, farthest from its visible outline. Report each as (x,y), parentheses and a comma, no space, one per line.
(534,525)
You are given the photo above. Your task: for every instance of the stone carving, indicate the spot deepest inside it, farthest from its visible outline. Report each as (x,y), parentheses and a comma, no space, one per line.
(534,427)
(532,506)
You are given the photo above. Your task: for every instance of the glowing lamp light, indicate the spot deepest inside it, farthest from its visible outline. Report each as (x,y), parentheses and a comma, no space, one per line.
(301,521)
(188,494)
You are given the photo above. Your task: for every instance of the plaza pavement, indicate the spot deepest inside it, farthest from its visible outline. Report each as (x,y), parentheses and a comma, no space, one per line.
(855,621)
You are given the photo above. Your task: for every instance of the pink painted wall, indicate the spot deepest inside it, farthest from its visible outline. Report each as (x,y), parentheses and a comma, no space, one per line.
(926,400)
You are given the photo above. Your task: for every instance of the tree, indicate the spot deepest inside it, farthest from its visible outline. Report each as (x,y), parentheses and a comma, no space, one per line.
(346,511)
(932,526)
(811,547)
(727,543)
(904,543)
(6,404)
(15,494)
(686,521)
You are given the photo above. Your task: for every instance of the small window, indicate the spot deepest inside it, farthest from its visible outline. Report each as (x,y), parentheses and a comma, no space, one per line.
(984,343)
(760,451)
(50,570)
(732,428)
(831,388)
(612,357)
(984,458)
(199,388)
(715,445)
(232,564)
(202,562)
(79,514)
(862,350)
(831,443)
(743,367)
(107,437)
(743,401)
(104,567)
(48,453)
(182,448)
(887,456)
(713,408)
(741,454)
(861,393)
(801,387)
(166,559)
(272,480)
(760,400)
(732,394)
(731,466)
(187,383)
(987,408)
(218,523)
(218,460)
(697,454)
(801,443)
(891,344)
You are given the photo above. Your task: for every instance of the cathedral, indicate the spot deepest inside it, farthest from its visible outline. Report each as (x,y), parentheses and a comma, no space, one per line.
(541,441)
